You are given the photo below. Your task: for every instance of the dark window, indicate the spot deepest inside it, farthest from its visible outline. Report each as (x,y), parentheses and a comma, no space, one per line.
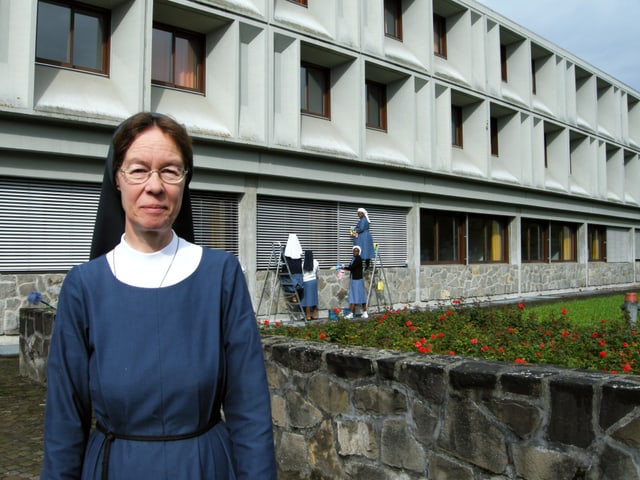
(444,239)
(487,239)
(73,35)
(441,237)
(439,35)
(314,90)
(456,125)
(534,241)
(597,238)
(562,242)
(393,19)
(376,105)
(177,58)
(503,62)
(546,149)
(493,121)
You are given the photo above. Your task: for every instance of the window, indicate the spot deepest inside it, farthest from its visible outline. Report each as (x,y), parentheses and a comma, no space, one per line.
(456,126)
(487,239)
(441,237)
(503,62)
(300,2)
(323,226)
(597,238)
(177,58)
(544,241)
(376,105)
(445,237)
(562,240)
(533,241)
(393,19)
(314,90)
(73,35)
(439,35)
(493,123)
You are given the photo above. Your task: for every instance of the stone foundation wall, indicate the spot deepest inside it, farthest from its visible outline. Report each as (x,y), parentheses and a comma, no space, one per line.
(365,414)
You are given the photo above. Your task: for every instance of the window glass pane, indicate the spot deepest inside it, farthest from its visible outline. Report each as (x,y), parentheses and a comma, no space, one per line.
(532,242)
(390,18)
(374,105)
(427,238)
(54,24)
(316,89)
(477,240)
(87,41)
(161,69)
(186,62)
(303,88)
(448,241)
(497,241)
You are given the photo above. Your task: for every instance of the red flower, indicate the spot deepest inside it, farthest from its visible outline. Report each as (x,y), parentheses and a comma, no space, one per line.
(441,317)
(433,336)
(451,352)
(521,306)
(417,344)
(455,301)
(519,360)
(440,335)
(565,334)
(625,344)
(423,340)
(511,330)
(323,336)
(626,367)
(277,324)
(603,354)
(474,341)
(563,311)
(266,322)
(409,323)
(384,316)
(336,310)
(541,345)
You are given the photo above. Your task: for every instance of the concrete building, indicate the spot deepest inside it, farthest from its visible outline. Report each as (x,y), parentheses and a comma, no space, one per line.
(491,162)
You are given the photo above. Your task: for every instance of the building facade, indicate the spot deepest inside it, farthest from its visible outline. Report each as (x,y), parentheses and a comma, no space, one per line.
(491,162)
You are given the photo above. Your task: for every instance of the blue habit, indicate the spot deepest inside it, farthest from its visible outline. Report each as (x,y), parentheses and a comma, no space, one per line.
(364,240)
(150,367)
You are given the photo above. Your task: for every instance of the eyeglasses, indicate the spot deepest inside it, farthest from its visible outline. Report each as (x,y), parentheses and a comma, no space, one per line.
(138,175)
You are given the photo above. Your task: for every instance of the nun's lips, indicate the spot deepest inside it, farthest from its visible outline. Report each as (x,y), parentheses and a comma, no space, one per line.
(153,208)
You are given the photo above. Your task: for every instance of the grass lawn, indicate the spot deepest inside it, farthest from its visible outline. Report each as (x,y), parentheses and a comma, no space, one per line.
(589,333)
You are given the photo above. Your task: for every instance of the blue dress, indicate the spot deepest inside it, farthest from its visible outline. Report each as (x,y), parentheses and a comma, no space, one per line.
(364,240)
(148,366)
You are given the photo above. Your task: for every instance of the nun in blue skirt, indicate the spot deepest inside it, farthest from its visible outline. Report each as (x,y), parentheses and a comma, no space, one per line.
(310,269)
(357,292)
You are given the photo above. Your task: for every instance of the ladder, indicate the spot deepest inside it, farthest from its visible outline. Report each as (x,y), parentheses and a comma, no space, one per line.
(278,280)
(378,284)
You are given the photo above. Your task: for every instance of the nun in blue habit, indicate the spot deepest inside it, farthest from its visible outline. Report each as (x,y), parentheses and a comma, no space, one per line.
(155,336)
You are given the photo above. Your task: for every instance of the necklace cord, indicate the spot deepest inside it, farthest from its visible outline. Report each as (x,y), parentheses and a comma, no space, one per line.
(164,277)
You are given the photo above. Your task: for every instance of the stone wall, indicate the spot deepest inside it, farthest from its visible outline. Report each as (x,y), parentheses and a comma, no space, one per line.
(360,413)
(365,414)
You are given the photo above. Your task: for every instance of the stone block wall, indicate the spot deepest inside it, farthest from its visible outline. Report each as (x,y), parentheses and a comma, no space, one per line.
(36,326)
(365,414)
(359,413)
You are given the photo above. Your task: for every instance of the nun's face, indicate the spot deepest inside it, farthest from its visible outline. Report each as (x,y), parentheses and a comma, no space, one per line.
(360,214)
(150,207)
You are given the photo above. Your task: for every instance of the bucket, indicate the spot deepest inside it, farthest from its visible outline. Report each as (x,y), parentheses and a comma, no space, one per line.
(631,297)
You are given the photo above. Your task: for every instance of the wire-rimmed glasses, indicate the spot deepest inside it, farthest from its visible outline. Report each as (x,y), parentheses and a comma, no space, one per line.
(137,175)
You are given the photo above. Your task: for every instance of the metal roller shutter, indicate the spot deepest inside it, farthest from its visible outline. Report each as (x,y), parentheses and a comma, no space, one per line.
(324,228)
(47,226)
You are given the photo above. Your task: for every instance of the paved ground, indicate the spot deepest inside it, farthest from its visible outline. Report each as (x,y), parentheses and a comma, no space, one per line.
(21,420)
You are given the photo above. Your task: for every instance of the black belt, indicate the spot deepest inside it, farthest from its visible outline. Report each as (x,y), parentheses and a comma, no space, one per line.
(111,437)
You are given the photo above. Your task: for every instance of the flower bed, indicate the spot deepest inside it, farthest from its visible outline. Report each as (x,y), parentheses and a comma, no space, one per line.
(510,333)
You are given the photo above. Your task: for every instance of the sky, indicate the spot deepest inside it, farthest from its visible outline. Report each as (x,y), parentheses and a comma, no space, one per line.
(603,33)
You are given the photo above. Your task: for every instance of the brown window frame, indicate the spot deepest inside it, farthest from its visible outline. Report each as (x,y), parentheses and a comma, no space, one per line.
(194,39)
(534,241)
(439,35)
(597,243)
(325,72)
(299,2)
(456,126)
(381,89)
(104,17)
(486,243)
(555,241)
(442,233)
(503,63)
(394,9)
(493,129)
